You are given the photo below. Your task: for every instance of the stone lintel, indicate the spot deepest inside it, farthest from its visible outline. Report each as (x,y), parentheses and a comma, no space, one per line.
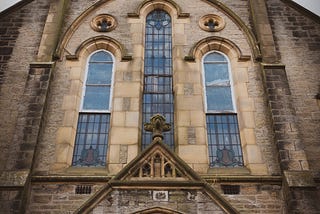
(299,178)
(229,171)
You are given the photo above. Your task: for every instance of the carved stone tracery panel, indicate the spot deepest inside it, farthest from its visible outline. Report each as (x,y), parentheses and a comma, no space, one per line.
(103,23)
(212,23)
(157,166)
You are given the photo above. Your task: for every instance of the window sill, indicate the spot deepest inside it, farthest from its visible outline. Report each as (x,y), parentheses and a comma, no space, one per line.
(229,171)
(84,171)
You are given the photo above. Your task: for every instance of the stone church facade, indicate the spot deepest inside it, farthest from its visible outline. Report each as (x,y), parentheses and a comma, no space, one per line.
(159,106)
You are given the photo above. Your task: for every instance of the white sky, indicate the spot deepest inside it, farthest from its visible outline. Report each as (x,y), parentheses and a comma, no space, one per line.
(4,4)
(312,5)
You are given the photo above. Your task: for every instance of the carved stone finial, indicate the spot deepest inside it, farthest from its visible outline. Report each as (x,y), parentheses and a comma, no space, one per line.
(157,126)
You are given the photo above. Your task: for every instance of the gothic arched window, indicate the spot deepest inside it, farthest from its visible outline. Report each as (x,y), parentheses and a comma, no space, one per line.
(157,91)
(222,123)
(94,118)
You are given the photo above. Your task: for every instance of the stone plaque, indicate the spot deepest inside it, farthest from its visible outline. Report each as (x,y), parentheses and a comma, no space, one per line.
(160,196)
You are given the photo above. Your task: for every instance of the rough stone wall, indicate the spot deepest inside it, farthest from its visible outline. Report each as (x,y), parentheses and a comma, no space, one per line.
(302,200)
(241,8)
(20,36)
(10,200)
(298,45)
(253,198)
(54,116)
(129,201)
(57,198)
(257,198)
(263,123)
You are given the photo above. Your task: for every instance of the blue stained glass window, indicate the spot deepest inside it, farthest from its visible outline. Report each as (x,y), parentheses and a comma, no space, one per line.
(224,140)
(91,142)
(222,124)
(158,92)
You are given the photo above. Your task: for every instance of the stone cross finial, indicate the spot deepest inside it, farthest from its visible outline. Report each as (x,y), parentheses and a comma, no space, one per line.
(157,125)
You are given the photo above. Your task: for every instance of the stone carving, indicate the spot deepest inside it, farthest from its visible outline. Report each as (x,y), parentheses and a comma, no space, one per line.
(157,125)
(160,196)
(191,135)
(157,166)
(211,23)
(103,23)
(123,156)
(191,196)
(188,89)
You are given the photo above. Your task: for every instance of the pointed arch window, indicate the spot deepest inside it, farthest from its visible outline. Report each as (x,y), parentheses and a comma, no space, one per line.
(157,91)
(91,142)
(222,123)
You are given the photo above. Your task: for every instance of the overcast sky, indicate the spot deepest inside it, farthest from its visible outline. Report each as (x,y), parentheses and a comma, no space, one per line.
(312,5)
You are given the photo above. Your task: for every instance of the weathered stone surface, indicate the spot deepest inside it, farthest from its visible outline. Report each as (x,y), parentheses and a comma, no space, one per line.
(300,33)
(128,201)
(291,117)
(299,179)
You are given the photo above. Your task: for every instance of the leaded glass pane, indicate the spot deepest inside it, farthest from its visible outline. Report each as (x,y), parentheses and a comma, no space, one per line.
(91,140)
(99,73)
(215,71)
(217,83)
(158,95)
(96,98)
(224,141)
(219,98)
(215,57)
(98,82)
(101,56)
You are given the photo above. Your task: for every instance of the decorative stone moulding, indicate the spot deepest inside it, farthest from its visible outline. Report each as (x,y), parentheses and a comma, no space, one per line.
(212,23)
(103,23)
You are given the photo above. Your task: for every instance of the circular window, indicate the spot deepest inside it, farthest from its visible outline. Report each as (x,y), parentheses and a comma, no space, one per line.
(103,23)
(212,23)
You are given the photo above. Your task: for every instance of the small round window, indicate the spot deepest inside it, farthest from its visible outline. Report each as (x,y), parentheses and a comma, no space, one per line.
(103,23)
(211,23)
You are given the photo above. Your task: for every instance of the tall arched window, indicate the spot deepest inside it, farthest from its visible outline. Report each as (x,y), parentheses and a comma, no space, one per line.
(157,91)
(222,123)
(94,118)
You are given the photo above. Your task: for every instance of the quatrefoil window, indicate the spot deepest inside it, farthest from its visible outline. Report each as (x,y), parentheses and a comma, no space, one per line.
(103,23)
(211,23)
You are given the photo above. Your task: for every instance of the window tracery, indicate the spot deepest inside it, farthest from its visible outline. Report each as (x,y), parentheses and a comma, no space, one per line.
(103,23)
(157,166)
(212,23)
